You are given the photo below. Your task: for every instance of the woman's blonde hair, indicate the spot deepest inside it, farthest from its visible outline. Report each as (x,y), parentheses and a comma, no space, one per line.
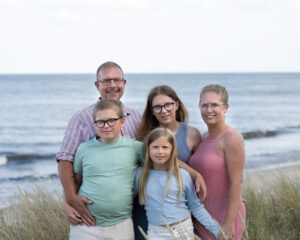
(172,164)
(149,121)
(218,89)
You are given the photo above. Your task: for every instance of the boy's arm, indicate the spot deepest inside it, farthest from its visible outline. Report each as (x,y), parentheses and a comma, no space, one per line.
(198,179)
(139,149)
(136,181)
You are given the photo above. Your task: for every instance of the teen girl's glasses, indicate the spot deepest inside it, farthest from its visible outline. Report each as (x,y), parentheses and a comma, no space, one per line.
(168,107)
(107,82)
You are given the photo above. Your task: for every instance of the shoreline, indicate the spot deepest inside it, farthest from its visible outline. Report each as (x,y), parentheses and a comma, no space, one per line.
(269,176)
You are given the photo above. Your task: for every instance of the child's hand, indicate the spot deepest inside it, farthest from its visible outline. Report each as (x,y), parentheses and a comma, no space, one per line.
(79,204)
(72,215)
(200,185)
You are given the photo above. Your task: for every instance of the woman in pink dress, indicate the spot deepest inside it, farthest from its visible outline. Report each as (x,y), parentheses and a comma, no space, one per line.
(220,160)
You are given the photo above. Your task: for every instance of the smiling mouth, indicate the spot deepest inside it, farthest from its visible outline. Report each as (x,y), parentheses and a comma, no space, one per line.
(112,91)
(165,116)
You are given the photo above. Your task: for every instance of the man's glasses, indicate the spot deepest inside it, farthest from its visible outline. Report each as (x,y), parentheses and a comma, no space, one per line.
(168,107)
(110,122)
(107,82)
(213,106)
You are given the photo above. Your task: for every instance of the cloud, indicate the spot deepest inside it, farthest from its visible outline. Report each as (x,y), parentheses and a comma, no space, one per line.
(124,4)
(66,15)
(238,4)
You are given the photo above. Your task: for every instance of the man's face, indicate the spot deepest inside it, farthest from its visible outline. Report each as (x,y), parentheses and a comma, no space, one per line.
(110,89)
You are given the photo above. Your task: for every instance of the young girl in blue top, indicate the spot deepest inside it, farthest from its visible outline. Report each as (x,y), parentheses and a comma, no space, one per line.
(167,191)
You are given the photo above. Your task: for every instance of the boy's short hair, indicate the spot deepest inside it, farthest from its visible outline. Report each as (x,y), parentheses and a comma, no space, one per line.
(108,104)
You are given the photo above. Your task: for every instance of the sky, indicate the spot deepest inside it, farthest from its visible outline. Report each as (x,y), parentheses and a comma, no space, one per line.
(149,36)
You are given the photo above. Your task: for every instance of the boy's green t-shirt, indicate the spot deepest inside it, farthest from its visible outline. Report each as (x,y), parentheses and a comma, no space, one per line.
(108,171)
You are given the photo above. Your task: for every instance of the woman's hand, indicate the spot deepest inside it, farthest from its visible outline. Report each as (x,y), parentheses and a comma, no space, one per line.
(228,230)
(197,178)
(200,185)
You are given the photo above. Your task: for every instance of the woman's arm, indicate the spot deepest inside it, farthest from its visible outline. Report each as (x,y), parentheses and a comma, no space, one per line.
(198,179)
(234,155)
(193,138)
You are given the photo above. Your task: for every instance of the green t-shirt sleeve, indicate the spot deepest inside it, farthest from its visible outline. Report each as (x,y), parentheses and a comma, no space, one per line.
(139,149)
(77,164)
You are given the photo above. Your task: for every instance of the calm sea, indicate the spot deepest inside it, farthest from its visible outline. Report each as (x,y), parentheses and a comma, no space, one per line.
(35,110)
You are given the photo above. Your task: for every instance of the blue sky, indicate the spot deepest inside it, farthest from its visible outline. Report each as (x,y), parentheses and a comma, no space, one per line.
(76,36)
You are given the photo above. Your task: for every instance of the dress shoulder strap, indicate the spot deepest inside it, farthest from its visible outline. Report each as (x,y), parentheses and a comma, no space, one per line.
(223,133)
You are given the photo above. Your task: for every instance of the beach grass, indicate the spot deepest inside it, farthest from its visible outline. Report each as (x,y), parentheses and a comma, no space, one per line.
(273,212)
(34,215)
(273,208)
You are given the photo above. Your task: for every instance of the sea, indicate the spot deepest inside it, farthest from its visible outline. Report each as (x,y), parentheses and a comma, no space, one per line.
(35,110)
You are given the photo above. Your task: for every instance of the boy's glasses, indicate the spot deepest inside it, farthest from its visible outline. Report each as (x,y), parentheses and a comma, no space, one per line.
(110,122)
(168,106)
(107,82)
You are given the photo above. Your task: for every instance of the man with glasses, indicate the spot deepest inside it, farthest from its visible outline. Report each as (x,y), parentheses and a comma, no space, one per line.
(110,84)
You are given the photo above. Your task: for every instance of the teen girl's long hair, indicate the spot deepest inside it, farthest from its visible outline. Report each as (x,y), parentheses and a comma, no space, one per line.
(149,121)
(172,165)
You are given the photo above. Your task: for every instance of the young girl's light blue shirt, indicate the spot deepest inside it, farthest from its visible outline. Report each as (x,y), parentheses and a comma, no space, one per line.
(170,210)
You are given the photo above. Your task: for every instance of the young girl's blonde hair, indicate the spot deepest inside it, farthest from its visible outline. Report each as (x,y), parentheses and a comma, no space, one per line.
(172,164)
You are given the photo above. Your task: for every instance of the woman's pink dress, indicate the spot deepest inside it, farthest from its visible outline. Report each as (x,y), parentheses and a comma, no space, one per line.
(207,161)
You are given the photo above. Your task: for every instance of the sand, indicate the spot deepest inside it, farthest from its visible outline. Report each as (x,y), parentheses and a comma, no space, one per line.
(269,176)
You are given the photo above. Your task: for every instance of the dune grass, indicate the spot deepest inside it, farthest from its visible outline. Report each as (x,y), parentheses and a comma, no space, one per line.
(36,215)
(273,212)
(273,209)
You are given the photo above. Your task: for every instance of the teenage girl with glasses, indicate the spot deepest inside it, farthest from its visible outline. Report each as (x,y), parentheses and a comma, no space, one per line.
(165,109)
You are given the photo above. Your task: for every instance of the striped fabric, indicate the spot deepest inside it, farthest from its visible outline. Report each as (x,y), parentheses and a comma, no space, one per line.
(81,128)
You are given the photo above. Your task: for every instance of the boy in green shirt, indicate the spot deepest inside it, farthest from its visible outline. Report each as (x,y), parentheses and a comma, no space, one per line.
(104,170)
